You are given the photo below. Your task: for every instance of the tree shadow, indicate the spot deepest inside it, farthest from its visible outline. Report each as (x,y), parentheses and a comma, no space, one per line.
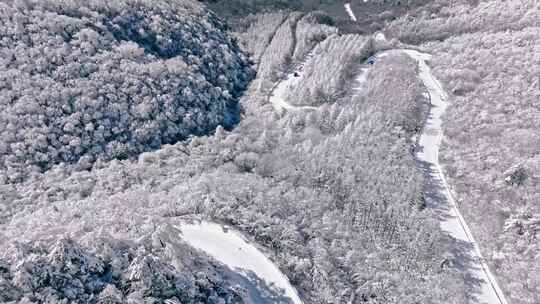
(256,290)
(433,190)
(462,254)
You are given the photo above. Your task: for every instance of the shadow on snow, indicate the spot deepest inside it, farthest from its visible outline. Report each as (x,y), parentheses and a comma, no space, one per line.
(256,289)
(461,251)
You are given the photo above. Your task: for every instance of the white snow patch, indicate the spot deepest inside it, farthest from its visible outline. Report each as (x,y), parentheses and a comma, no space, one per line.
(361,79)
(350,11)
(380,36)
(231,248)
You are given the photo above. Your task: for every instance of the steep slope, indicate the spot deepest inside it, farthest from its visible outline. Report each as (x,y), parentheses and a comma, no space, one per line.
(487,56)
(332,196)
(85,80)
(98,269)
(437,191)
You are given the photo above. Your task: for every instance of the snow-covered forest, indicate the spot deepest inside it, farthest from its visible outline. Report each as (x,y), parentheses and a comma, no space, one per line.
(120,120)
(82,82)
(489,57)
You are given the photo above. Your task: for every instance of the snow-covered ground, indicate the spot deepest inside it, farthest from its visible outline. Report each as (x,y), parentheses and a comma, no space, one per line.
(360,84)
(278,100)
(361,80)
(260,276)
(380,37)
(350,12)
(278,96)
(451,220)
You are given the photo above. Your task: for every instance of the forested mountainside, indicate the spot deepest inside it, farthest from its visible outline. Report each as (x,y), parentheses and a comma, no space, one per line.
(87,80)
(102,269)
(290,183)
(372,15)
(331,194)
(322,77)
(488,57)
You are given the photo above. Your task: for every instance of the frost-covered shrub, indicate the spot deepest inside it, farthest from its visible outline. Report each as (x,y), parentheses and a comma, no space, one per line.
(87,80)
(311,30)
(489,63)
(330,194)
(460,17)
(257,31)
(278,54)
(108,270)
(395,88)
(326,73)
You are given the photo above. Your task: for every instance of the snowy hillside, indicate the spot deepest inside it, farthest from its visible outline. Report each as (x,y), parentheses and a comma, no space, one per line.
(86,82)
(265,151)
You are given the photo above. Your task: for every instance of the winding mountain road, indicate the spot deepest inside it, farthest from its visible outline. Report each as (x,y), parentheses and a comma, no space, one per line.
(277,97)
(350,12)
(439,196)
(249,267)
(265,283)
(485,288)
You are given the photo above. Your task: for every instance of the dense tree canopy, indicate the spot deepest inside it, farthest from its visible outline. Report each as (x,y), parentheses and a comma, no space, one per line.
(102,269)
(84,80)
(333,195)
(488,58)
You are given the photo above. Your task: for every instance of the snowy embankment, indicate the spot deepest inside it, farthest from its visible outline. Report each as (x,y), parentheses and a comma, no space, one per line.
(451,219)
(264,282)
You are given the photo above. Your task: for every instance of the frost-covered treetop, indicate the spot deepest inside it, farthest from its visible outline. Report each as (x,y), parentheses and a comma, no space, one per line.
(88,80)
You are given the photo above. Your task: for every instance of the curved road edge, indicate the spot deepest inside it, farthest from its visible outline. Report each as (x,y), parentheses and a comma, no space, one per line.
(430,142)
(455,224)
